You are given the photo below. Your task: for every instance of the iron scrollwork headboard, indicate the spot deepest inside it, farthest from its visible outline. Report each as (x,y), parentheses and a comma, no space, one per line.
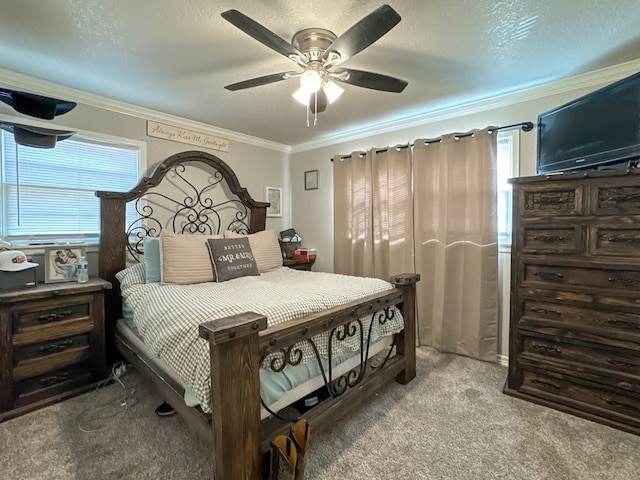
(191,192)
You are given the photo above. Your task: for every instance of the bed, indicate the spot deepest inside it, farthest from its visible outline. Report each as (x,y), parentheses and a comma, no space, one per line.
(196,193)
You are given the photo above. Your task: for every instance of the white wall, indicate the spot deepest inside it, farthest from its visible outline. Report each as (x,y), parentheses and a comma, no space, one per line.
(312,210)
(256,166)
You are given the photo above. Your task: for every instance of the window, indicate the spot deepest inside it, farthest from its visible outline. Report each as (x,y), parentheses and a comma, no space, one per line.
(49,194)
(507,167)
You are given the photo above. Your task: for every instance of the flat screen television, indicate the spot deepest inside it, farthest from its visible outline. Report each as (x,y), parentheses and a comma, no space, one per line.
(599,129)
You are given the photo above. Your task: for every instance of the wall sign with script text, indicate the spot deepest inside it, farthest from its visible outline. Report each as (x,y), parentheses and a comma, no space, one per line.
(191,137)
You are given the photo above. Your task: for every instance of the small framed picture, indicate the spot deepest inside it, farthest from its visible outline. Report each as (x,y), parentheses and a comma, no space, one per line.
(273,195)
(61,263)
(311,180)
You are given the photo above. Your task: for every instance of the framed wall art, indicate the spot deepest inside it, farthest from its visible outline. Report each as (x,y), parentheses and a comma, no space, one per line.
(273,195)
(61,263)
(311,180)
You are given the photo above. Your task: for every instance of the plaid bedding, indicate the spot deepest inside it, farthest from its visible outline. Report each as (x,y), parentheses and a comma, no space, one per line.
(168,316)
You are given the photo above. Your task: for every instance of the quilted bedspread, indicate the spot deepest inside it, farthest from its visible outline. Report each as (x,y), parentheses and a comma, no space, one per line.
(168,316)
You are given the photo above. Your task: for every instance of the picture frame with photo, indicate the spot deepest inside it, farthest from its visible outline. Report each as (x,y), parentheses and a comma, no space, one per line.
(273,195)
(311,180)
(61,263)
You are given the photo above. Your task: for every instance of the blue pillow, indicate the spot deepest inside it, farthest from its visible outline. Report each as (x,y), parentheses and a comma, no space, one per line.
(152,259)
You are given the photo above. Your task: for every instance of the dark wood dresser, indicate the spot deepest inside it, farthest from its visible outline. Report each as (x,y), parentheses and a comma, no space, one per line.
(575,295)
(51,344)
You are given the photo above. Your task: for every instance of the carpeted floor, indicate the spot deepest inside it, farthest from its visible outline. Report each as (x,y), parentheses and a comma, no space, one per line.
(452,422)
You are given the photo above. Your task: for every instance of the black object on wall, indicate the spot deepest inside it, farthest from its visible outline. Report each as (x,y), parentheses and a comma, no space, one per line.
(35,105)
(37,137)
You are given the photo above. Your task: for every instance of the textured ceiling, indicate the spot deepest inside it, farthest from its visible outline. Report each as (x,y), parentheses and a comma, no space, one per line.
(175,56)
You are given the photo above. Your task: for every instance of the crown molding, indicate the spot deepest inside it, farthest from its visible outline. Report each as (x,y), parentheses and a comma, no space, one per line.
(23,82)
(584,80)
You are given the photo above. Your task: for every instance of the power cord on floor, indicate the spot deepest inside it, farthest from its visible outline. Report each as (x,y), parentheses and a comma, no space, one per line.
(101,412)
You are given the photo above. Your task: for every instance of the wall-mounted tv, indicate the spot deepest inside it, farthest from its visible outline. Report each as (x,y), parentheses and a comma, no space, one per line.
(600,129)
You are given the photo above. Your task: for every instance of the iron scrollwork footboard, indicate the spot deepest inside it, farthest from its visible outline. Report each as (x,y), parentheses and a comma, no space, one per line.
(361,329)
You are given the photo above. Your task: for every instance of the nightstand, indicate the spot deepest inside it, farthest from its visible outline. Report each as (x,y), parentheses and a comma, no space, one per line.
(298,264)
(51,344)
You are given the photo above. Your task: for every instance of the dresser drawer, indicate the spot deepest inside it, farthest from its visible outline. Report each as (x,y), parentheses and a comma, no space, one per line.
(585,396)
(543,200)
(44,386)
(618,367)
(552,239)
(554,275)
(621,240)
(46,312)
(619,198)
(567,322)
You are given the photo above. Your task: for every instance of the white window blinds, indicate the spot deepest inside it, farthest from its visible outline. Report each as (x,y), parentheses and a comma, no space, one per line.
(50,193)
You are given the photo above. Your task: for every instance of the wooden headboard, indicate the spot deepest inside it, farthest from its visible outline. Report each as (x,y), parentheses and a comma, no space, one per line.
(189,192)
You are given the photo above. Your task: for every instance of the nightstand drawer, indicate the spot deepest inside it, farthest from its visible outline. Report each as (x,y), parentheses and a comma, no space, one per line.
(50,350)
(52,383)
(46,312)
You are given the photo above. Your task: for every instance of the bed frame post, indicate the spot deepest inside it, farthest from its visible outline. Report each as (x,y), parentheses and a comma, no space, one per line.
(406,339)
(235,395)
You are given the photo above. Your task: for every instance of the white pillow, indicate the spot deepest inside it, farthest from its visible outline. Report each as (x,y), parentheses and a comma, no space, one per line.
(185,258)
(265,248)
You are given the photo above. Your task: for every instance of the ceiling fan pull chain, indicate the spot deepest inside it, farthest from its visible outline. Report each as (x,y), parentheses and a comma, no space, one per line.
(307,110)
(315,111)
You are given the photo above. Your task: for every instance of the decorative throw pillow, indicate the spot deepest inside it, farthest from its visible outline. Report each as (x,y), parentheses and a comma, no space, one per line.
(265,248)
(151,247)
(185,258)
(132,275)
(232,258)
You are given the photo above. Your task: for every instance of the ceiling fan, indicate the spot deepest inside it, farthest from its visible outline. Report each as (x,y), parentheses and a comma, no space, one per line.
(318,51)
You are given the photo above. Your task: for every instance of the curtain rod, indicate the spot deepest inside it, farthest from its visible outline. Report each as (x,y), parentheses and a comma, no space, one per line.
(525,126)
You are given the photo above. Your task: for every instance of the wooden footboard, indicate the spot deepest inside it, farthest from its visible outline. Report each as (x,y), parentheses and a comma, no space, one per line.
(238,343)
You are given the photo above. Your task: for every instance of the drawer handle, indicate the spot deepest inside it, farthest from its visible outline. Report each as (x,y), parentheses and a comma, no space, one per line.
(549,238)
(624,406)
(547,275)
(54,317)
(545,384)
(55,347)
(619,363)
(545,348)
(624,281)
(544,311)
(53,379)
(621,239)
(623,323)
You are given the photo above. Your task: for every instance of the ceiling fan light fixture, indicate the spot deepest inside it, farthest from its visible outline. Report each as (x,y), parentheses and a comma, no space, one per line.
(310,81)
(302,95)
(332,90)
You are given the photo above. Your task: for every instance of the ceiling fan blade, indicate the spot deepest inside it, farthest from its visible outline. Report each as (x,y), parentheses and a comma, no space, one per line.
(263,35)
(374,81)
(362,34)
(256,82)
(322,102)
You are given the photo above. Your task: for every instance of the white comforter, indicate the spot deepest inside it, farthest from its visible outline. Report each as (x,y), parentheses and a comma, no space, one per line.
(168,316)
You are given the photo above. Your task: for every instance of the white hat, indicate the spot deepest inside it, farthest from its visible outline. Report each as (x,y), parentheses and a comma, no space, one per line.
(14,261)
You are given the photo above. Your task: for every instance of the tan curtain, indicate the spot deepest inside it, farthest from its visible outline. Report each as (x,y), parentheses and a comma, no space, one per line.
(353,215)
(456,245)
(373,229)
(392,211)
